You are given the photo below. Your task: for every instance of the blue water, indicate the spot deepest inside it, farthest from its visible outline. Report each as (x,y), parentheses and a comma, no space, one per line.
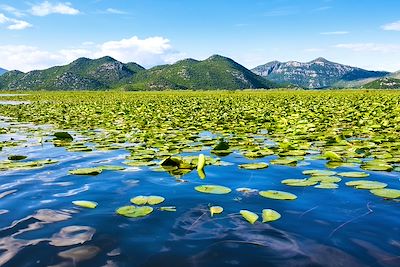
(39,226)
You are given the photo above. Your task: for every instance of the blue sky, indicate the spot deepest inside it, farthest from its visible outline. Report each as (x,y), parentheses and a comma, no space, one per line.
(38,34)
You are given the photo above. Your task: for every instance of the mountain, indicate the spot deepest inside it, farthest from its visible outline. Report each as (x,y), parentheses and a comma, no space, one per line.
(2,71)
(81,74)
(383,83)
(318,73)
(216,72)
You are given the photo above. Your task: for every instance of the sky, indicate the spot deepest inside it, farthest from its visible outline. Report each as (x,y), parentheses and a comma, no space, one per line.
(36,34)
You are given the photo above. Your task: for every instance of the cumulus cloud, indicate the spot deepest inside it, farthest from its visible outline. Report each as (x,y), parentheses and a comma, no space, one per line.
(12,10)
(147,52)
(394,26)
(46,8)
(370,47)
(13,24)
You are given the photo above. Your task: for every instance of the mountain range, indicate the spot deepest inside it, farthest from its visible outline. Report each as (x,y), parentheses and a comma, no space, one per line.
(318,73)
(2,71)
(215,72)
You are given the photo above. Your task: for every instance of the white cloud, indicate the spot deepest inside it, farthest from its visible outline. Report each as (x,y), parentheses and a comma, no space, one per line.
(394,26)
(147,52)
(12,10)
(46,8)
(14,24)
(115,11)
(335,33)
(370,47)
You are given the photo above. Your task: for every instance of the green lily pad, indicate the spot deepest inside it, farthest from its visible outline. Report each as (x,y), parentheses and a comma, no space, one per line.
(332,156)
(85,204)
(365,184)
(16,157)
(251,217)
(216,210)
(134,212)
(319,172)
(386,193)
(254,166)
(377,167)
(299,182)
(63,136)
(150,200)
(325,179)
(281,195)
(269,215)
(86,171)
(111,168)
(284,161)
(213,189)
(353,174)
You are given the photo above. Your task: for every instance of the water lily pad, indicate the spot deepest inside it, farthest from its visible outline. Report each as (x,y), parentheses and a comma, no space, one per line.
(134,212)
(278,195)
(319,172)
(16,157)
(63,136)
(251,217)
(85,204)
(216,210)
(332,156)
(377,167)
(284,161)
(269,215)
(299,182)
(111,168)
(325,179)
(386,193)
(353,174)
(213,189)
(150,200)
(254,166)
(365,184)
(86,171)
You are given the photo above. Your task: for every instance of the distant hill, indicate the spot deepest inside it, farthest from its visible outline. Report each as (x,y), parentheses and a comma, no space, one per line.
(216,72)
(81,74)
(2,71)
(383,83)
(318,73)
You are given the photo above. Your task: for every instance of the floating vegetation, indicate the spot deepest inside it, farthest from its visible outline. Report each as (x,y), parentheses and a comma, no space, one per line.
(327,185)
(216,210)
(353,174)
(299,182)
(16,157)
(319,172)
(86,171)
(254,166)
(365,184)
(250,216)
(213,189)
(85,204)
(269,215)
(168,208)
(386,193)
(281,195)
(150,200)
(134,212)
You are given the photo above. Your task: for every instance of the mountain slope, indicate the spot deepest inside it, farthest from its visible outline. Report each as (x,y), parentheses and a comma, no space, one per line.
(2,71)
(318,73)
(383,83)
(216,72)
(81,74)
